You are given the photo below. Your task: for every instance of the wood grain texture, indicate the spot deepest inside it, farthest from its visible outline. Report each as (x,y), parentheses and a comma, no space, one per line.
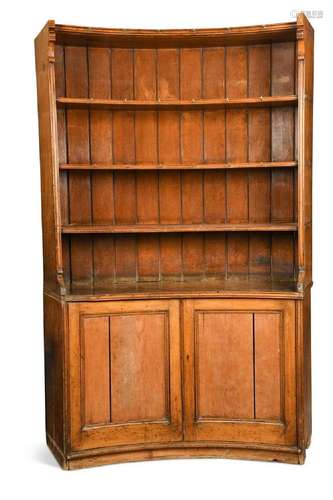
(176,190)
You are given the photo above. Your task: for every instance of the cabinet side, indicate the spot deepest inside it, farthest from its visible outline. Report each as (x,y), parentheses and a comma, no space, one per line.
(304,409)
(305,44)
(48,146)
(55,376)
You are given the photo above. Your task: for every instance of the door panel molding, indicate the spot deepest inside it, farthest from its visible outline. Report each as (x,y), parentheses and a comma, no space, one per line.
(280,431)
(156,333)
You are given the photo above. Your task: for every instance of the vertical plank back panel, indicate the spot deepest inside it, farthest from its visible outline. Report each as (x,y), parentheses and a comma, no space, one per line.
(168,87)
(237,146)
(237,150)
(81,258)
(125,206)
(125,258)
(193,256)
(259,134)
(62,133)
(145,87)
(79,183)
(237,254)
(283,83)
(260,254)
(192,152)
(169,137)
(283,68)
(213,86)
(259,130)
(104,260)
(215,258)
(148,256)
(78,134)
(60,81)
(99,60)
(171,257)
(282,256)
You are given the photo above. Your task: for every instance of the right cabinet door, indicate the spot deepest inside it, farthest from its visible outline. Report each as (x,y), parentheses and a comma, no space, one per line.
(239,369)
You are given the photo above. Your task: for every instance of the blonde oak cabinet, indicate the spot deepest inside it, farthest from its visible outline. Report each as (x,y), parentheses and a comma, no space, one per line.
(176,201)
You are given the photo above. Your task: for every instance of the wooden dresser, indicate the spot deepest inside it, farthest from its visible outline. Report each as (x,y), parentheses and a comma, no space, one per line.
(176,170)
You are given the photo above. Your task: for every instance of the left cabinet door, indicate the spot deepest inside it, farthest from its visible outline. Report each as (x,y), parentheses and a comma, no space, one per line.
(124,373)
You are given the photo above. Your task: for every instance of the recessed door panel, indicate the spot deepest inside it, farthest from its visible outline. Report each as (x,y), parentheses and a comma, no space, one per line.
(139,367)
(95,372)
(268,356)
(223,365)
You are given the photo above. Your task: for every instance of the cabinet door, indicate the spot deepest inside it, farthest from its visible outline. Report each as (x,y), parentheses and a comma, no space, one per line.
(239,367)
(124,376)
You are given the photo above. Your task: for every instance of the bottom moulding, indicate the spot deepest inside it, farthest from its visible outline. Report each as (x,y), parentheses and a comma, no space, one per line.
(94,459)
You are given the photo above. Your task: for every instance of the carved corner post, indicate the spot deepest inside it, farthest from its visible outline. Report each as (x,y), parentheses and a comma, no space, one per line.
(47,114)
(305,38)
(305,41)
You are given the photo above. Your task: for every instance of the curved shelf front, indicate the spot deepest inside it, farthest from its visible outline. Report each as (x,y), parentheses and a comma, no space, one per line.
(74,102)
(172,228)
(178,166)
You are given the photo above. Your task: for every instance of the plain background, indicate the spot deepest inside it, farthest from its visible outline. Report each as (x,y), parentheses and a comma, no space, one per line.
(28,468)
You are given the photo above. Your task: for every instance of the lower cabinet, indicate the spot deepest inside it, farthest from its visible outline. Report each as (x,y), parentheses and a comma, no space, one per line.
(173,373)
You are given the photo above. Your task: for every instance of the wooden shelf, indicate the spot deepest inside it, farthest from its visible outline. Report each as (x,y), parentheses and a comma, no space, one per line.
(237,287)
(172,228)
(177,166)
(176,103)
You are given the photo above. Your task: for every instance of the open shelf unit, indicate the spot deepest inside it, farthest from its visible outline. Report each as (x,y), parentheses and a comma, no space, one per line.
(169,141)
(176,170)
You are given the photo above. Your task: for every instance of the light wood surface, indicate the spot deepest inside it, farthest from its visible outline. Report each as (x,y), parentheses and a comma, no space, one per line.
(176,171)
